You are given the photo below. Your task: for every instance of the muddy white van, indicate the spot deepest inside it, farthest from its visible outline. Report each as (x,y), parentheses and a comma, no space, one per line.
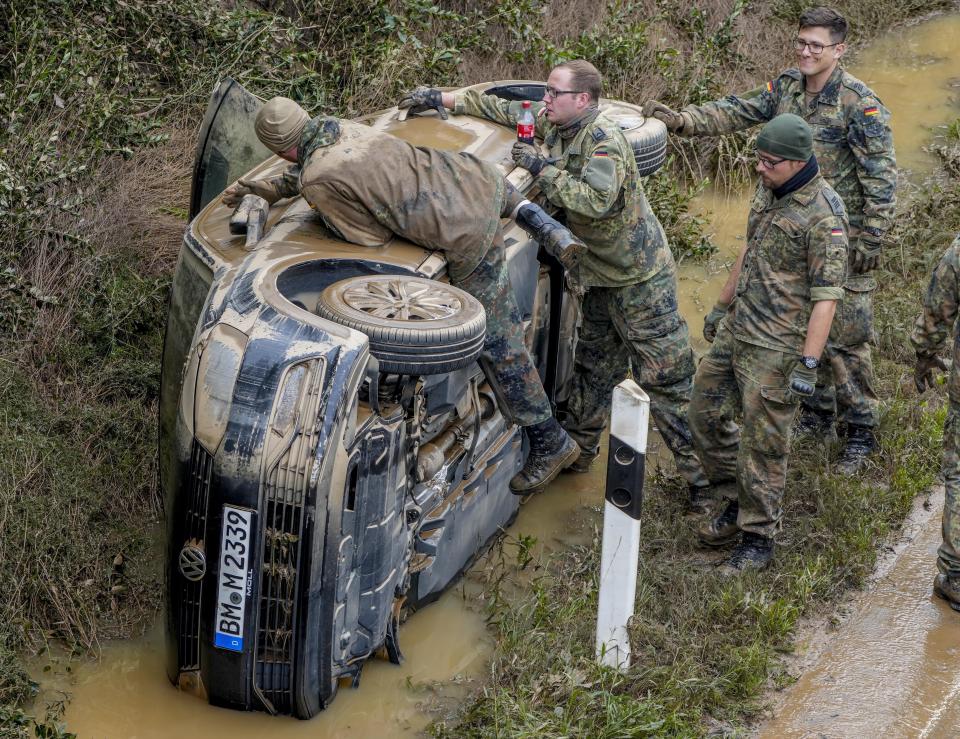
(329,462)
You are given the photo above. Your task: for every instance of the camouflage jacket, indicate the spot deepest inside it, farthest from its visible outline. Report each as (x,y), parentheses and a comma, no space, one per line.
(595,180)
(851,137)
(796,255)
(941,305)
(371,185)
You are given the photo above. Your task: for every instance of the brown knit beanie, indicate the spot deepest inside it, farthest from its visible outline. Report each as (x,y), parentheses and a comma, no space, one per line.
(280,123)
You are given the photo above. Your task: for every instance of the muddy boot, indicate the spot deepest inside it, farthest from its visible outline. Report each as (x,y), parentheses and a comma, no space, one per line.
(754,552)
(721,529)
(551,449)
(948,588)
(815,423)
(548,231)
(700,499)
(861,443)
(582,463)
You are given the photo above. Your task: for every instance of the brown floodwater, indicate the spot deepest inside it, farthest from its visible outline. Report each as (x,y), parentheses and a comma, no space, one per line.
(891,670)
(898,671)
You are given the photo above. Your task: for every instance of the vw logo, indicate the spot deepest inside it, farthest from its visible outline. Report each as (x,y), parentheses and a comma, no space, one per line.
(193,562)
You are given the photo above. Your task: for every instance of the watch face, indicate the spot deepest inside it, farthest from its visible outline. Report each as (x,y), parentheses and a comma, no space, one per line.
(811,363)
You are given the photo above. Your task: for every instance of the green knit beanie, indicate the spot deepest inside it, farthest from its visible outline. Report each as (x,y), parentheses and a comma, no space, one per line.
(787,136)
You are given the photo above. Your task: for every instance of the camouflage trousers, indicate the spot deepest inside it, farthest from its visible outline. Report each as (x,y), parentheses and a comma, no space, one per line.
(505,360)
(741,380)
(635,326)
(845,380)
(948,556)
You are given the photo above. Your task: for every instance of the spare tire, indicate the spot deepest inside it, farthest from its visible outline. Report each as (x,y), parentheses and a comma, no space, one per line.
(416,326)
(648,137)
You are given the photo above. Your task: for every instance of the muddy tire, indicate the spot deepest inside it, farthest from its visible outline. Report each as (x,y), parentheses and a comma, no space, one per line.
(648,137)
(416,326)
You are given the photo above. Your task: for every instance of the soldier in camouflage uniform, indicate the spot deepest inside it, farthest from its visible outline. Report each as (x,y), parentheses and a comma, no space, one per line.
(854,146)
(439,200)
(782,294)
(930,333)
(630,311)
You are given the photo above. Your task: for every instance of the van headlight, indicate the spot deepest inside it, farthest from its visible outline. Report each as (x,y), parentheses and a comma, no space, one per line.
(216,376)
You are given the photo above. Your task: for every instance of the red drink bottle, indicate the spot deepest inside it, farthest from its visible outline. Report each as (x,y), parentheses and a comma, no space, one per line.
(526,125)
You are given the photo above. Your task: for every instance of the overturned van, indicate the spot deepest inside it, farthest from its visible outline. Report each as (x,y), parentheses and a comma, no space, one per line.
(329,461)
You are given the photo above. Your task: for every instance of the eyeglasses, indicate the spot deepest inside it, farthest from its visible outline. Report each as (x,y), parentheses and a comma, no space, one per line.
(553,92)
(815,47)
(767,162)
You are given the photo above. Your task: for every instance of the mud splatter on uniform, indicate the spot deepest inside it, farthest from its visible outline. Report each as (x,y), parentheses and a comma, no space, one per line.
(370,185)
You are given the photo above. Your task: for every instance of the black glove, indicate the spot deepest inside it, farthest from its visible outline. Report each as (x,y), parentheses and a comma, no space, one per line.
(803,380)
(671,118)
(712,320)
(865,255)
(923,373)
(529,157)
(423,99)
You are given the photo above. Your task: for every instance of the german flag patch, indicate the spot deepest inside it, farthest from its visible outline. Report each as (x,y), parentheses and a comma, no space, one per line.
(871,111)
(601,153)
(836,233)
(770,87)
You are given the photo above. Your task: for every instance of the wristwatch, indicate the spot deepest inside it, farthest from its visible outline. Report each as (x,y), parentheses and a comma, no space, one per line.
(810,362)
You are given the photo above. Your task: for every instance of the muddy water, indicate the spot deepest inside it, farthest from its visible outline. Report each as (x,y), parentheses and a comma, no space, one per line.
(126,694)
(892,670)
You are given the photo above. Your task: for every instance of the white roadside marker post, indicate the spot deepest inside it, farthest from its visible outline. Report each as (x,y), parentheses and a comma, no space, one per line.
(621,522)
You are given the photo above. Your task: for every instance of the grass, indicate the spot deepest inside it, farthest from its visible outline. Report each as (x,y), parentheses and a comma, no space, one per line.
(704,649)
(99,103)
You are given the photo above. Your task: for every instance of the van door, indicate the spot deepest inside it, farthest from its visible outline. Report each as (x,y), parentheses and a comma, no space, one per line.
(228,146)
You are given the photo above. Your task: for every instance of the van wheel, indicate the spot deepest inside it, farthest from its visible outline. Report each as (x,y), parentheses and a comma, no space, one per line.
(648,137)
(416,326)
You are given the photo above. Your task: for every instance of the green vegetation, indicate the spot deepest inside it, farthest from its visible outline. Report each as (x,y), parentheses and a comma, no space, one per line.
(705,648)
(98,105)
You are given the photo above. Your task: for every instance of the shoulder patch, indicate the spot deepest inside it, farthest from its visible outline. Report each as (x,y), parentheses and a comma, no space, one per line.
(852,83)
(599,134)
(836,204)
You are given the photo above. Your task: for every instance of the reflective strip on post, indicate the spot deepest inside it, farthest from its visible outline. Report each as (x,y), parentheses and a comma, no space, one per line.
(621,522)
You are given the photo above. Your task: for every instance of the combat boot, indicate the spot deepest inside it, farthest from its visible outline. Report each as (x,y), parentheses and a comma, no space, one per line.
(551,450)
(815,423)
(582,463)
(721,529)
(948,588)
(548,231)
(700,499)
(754,552)
(861,443)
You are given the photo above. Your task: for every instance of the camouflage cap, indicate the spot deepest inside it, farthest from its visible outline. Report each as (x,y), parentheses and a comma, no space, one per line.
(280,123)
(787,136)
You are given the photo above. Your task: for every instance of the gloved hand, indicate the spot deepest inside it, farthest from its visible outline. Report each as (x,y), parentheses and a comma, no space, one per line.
(234,194)
(422,99)
(802,380)
(712,320)
(865,254)
(529,157)
(923,373)
(655,109)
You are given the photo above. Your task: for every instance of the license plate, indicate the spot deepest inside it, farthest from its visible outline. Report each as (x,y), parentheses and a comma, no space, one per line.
(236,578)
